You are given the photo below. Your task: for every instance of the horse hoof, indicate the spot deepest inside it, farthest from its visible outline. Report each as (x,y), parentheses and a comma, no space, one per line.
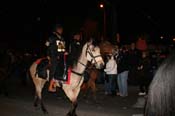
(69,114)
(46,112)
(35,105)
(37,108)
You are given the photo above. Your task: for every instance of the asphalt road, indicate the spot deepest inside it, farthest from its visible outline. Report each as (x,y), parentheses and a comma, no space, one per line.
(20,103)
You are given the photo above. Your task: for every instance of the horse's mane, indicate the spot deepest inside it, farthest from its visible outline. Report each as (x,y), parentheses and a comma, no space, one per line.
(161,96)
(74,59)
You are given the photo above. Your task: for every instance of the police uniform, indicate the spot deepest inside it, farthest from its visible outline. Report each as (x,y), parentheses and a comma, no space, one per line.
(56,49)
(74,50)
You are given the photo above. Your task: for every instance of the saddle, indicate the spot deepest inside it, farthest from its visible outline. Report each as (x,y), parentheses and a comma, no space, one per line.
(43,69)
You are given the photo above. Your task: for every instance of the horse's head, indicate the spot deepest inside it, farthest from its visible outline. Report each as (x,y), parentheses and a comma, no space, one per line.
(94,56)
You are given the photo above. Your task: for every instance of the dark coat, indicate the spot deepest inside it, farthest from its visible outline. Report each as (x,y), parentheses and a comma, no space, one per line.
(133,58)
(52,48)
(145,75)
(122,62)
(74,51)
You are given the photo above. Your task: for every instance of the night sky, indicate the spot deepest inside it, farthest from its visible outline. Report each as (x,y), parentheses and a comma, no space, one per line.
(30,20)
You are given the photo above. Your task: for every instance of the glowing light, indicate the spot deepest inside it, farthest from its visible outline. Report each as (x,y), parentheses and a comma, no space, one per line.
(161,37)
(173,39)
(101,5)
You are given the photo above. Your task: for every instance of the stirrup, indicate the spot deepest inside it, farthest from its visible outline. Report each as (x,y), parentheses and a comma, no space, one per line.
(52,86)
(60,83)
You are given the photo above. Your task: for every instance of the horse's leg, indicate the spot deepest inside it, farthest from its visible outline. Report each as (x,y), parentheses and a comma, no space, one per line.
(93,88)
(72,95)
(92,82)
(88,84)
(86,92)
(84,89)
(36,100)
(72,111)
(39,84)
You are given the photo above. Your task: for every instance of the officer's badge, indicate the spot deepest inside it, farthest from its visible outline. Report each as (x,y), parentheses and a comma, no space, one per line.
(61,46)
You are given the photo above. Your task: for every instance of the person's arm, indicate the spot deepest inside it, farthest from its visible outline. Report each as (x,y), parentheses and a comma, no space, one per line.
(49,41)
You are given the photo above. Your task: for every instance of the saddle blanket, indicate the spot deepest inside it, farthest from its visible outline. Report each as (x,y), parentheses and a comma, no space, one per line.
(42,70)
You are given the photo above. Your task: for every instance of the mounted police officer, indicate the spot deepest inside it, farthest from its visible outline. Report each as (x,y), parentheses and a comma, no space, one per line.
(56,50)
(75,47)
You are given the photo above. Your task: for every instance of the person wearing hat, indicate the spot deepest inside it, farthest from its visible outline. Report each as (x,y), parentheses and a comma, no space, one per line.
(75,47)
(56,50)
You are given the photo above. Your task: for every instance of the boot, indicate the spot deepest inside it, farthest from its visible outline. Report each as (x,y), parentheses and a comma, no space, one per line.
(52,86)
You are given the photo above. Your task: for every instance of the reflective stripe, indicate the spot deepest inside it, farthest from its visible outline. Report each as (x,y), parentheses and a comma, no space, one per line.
(61,50)
(47,43)
(61,46)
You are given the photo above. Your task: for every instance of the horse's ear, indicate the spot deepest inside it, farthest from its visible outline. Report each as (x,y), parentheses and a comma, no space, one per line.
(90,41)
(93,41)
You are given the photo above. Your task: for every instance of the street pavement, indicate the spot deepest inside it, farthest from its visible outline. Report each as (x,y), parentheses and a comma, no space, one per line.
(20,103)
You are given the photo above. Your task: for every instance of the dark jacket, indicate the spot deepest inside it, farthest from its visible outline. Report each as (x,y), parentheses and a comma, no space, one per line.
(133,59)
(74,51)
(122,62)
(145,63)
(55,43)
(75,47)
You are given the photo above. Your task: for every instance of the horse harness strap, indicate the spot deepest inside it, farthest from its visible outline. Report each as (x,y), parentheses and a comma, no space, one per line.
(94,57)
(82,64)
(97,56)
(79,74)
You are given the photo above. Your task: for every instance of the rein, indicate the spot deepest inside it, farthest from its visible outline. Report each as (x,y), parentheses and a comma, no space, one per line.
(93,58)
(79,74)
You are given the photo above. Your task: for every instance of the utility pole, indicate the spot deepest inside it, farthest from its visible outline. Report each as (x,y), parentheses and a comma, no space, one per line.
(104,21)
(114,24)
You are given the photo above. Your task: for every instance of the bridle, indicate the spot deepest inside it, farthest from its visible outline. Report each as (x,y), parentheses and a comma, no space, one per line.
(88,51)
(92,56)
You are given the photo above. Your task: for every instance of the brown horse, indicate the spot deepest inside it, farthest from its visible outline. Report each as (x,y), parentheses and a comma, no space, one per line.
(93,73)
(108,48)
(91,53)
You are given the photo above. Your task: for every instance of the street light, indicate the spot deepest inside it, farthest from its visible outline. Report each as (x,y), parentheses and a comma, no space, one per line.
(104,20)
(101,6)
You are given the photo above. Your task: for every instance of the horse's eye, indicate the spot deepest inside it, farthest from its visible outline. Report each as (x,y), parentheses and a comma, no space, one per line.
(93,49)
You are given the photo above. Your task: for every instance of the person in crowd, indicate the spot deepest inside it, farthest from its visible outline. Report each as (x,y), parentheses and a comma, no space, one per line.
(133,58)
(144,73)
(111,73)
(75,47)
(123,69)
